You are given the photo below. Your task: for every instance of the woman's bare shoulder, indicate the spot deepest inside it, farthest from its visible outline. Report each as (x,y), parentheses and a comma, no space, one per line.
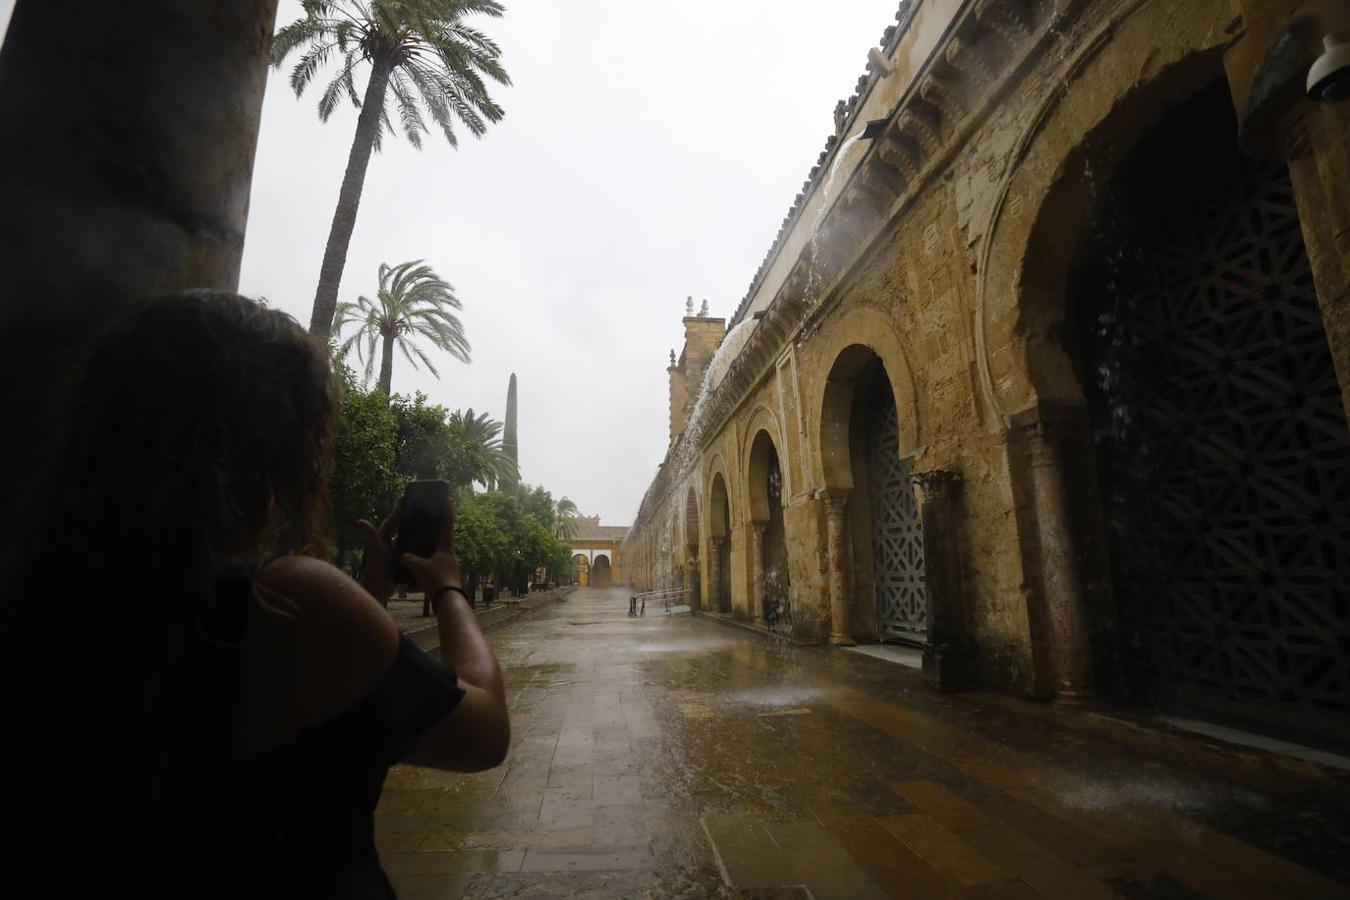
(347,640)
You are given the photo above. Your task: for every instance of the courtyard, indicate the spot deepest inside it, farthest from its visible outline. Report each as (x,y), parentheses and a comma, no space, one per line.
(674,755)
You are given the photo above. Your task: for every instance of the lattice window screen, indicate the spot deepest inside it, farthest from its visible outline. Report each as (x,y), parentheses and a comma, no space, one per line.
(897,535)
(1225,452)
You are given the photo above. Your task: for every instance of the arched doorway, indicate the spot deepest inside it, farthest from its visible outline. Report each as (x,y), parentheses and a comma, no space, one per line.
(719,555)
(769,556)
(601,575)
(860,452)
(583,569)
(1223,456)
(691,544)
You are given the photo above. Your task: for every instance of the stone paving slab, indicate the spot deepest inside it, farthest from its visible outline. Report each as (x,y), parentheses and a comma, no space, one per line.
(673,757)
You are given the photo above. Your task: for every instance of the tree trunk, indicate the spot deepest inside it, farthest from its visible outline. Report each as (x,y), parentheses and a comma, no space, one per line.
(349,199)
(387,363)
(126,158)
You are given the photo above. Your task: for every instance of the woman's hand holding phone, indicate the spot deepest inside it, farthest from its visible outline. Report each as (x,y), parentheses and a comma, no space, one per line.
(441,569)
(377,566)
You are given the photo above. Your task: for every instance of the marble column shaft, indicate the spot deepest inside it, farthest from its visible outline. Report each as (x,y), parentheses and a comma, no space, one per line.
(1061,576)
(946,658)
(835,556)
(757,530)
(716,547)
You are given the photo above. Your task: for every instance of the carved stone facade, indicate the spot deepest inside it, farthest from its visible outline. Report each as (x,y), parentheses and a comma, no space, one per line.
(702,334)
(939,260)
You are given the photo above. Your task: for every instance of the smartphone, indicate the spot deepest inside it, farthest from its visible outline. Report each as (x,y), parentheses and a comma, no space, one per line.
(419,527)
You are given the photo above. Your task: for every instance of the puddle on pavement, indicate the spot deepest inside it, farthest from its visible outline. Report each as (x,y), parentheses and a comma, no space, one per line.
(775,696)
(1157,793)
(687,759)
(683,646)
(695,710)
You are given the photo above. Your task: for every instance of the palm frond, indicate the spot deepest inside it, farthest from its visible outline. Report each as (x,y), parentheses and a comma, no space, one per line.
(414,126)
(293,35)
(341,82)
(309,63)
(427,44)
(421,354)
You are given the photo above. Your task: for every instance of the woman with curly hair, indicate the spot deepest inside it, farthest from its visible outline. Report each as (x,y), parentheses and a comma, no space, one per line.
(190,711)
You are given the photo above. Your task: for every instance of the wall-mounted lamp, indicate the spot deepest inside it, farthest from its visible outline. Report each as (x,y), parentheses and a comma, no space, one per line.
(1329,76)
(879,61)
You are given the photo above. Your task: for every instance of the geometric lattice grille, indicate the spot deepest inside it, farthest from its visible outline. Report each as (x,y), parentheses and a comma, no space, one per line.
(897,534)
(1224,451)
(777,584)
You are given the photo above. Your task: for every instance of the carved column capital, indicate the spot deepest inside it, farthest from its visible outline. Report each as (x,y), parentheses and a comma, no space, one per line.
(836,499)
(936,484)
(1046,425)
(1044,440)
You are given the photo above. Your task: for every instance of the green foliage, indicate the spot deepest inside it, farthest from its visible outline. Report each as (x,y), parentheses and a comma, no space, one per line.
(482,539)
(364,482)
(425,448)
(537,503)
(565,515)
(484,459)
(437,63)
(383,443)
(412,302)
(460,447)
(508,531)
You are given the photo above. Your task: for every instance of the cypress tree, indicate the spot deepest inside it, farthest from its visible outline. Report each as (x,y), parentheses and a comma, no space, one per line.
(509,444)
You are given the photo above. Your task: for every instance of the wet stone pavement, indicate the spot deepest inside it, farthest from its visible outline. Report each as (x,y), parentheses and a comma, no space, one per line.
(673,756)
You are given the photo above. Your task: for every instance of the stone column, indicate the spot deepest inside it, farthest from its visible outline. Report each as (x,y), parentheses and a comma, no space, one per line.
(835,503)
(1267,73)
(694,579)
(716,547)
(757,567)
(1316,147)
(126,158)
(946,658)
(1061,577)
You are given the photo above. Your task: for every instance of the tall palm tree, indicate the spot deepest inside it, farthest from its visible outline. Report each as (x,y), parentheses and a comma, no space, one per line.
(488,462)
(424,60)
(413,302)
(565,514)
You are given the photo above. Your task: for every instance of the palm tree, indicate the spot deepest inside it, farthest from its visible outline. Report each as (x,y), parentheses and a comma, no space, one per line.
(423,56)
(488,463)
(413,302)
(565,514)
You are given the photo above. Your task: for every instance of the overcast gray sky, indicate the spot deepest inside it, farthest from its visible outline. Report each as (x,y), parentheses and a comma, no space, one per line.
(649,152)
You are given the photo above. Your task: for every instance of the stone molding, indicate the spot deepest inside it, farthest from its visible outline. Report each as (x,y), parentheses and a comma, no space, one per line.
(984,52)
(989,41)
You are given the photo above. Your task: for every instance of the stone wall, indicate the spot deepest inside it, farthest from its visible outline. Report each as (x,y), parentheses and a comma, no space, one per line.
(944,244)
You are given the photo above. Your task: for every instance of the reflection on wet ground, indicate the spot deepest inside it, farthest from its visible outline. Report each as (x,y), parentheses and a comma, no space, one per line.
(676,757)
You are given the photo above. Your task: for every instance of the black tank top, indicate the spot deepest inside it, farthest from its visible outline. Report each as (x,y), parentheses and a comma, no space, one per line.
(296,822)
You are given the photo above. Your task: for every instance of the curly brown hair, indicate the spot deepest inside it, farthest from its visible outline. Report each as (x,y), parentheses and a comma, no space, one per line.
(200,430)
